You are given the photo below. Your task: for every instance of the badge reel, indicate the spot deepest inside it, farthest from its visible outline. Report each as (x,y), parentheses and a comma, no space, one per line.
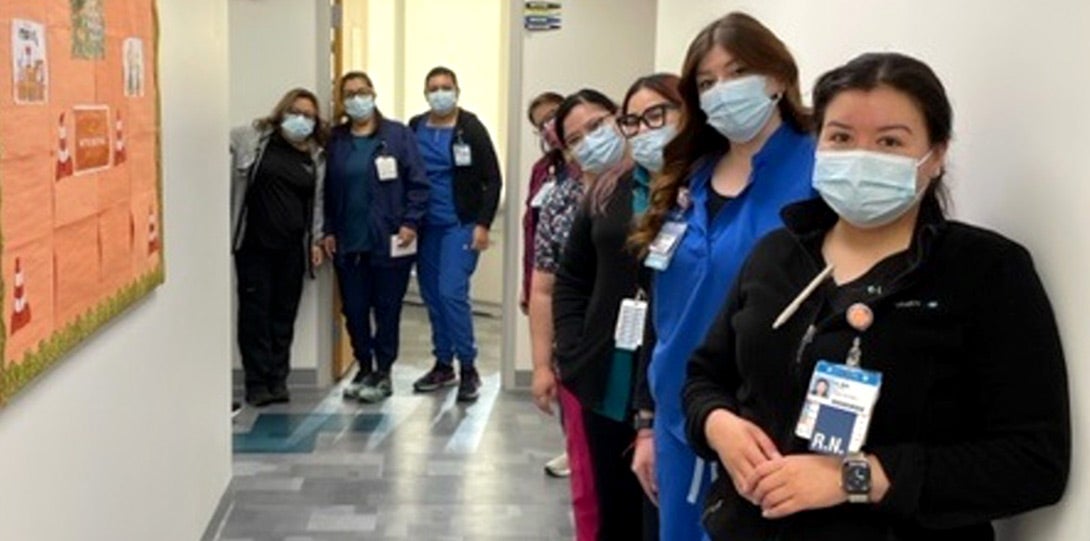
(632,318)
(387,168)
(662,249)
(542,194)
(463,157)
(840,398)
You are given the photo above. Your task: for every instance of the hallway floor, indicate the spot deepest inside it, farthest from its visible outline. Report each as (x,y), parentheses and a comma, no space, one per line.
(418,466)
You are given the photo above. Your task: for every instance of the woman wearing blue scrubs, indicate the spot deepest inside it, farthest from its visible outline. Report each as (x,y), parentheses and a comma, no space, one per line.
(742,153)
(375,199)
(465,191)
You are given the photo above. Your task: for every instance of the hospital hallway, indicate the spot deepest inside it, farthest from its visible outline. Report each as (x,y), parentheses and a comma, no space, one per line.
(417,466)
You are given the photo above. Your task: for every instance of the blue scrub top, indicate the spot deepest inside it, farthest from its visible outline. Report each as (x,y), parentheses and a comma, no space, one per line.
(360,170)
(691,292)
(435,148)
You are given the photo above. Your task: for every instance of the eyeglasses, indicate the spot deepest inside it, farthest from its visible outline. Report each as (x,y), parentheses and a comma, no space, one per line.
(573,139)
(300,112)
(358,92)
(653,117)
(539,128)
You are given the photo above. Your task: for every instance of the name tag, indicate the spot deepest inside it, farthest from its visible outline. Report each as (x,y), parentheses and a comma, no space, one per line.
(462,155)
(838,408)
(542,194)
(387,168)
(628,335)
(662,249)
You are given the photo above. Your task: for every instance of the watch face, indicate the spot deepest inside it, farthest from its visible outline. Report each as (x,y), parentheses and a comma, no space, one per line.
(857,477)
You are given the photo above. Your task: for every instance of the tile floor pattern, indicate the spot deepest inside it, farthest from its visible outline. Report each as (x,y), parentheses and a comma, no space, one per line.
(416,467)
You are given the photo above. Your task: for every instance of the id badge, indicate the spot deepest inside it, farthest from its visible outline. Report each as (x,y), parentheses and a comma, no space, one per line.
(628,336)
(542,194)
(662,249)
(839,403)
(387,168)
(462,155)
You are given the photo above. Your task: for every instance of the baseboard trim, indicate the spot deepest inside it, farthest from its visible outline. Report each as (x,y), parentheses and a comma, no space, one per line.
(299,377)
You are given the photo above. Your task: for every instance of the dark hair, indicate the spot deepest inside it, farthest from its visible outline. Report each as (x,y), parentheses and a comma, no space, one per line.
(762,52)
(663,84)
(273,120)
(338,104)
(903,74)
(542,99)
(441,70)
(599,193)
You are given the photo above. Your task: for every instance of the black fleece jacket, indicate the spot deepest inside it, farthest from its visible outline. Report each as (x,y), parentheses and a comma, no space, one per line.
(972,423)
(477,185)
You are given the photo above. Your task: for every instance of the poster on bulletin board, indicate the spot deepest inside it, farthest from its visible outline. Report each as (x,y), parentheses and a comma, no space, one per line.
(80,181)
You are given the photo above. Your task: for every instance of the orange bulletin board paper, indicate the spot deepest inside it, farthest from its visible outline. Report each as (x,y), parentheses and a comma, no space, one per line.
(80,188)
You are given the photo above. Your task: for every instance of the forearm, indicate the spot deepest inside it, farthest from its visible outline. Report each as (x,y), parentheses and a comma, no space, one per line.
(541,321)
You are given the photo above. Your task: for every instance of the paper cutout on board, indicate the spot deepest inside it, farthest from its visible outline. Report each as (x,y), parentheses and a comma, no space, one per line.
(88,30)
(20,311)
(30,66)
(119,140)
(64,153)
(92,138)
(133,62)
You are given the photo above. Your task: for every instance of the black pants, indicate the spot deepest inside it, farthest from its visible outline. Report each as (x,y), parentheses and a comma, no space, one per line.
(368,289)
(624,512)
(270,283)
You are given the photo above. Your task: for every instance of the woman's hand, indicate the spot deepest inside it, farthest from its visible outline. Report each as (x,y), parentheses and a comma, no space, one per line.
(543,387)
(643,464)
(329,244)
(787,485)
(316,255)
(742,447)
(405,236)
(480,238)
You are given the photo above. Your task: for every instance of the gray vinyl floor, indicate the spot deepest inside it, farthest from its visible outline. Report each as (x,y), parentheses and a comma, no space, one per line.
(418,466)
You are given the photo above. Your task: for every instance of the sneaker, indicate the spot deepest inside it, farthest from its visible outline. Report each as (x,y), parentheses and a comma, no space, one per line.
(558,467)
(352,390)
(376,387)
(259,398)
(236,408)
(470,388)
(280,394)
(438,376)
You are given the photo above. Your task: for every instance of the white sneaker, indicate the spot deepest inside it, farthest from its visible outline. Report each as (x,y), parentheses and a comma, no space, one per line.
(558,467)
(352,390)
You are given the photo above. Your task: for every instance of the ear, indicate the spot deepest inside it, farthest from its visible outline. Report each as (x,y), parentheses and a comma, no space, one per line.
(936,163)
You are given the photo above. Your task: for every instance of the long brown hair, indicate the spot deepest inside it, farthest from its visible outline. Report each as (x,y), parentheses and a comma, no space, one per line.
(272,122)
(762,52)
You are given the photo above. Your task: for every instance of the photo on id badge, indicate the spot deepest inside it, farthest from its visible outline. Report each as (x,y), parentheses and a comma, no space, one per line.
(838,408)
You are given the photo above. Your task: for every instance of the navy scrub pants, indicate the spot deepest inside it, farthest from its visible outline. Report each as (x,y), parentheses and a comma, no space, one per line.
(446,262)
(369,289)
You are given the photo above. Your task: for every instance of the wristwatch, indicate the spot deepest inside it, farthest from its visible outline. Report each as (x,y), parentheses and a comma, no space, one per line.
(641,422)
(855,478)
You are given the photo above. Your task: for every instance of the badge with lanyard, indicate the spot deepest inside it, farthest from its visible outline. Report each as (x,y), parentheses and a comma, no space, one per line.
(543,192)
(628,336)
(662,249)
(463,157)
(840,398)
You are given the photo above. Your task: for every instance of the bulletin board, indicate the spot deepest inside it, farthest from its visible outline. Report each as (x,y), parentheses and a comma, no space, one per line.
(80,180)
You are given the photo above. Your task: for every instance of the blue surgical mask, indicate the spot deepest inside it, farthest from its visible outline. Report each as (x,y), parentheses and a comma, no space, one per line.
(867,189)
(647,147)
(297,128)
(442,101)
(359,107)
(739,108)
(600,149)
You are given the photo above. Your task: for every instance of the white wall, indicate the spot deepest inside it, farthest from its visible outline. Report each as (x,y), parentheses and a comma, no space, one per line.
(277,45)
(1016,74)
(128,438)
(605,45)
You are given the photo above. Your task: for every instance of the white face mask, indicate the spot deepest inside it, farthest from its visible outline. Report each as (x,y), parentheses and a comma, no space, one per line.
(648,146)
(600,149)
(867,189)
(442,101)
(739,108)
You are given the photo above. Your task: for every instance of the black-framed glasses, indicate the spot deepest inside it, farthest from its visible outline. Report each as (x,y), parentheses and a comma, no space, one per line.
(653,117)
(358,92)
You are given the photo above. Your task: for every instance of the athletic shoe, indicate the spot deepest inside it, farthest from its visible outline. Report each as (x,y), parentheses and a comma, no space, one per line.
(439,376)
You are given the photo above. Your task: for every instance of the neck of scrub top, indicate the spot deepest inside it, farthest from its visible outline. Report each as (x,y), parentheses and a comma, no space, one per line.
(449,119)
(365,127)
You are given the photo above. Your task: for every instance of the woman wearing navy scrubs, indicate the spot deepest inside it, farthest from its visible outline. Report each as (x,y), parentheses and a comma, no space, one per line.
(375,198)
(465,180)
(741,154)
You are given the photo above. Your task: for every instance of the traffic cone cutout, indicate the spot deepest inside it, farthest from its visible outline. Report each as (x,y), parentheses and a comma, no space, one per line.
(119,142)
(20,312)
(153,232)
(64,156)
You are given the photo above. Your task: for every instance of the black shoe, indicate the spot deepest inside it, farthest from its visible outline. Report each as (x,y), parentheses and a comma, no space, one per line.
(470,388)
(259,398)
(376,388)
(438,376)
(236,408)
(280,394)
(352,390)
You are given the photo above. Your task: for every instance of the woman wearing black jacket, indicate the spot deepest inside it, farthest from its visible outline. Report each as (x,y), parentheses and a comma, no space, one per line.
(597,273)
(971,423)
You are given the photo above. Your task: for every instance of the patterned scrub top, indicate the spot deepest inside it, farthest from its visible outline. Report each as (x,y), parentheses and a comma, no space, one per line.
(554,224)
